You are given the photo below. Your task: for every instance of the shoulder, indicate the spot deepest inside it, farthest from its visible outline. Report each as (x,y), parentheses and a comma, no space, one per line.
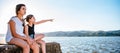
(26,26)
(13,18)
(12,21)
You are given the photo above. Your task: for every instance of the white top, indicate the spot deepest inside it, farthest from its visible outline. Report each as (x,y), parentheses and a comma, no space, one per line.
(18,27)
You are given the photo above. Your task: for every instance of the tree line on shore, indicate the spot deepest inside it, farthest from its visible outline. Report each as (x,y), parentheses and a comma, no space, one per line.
(82,33)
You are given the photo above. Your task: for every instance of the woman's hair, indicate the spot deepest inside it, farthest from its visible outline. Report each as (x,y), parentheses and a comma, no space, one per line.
(18,7)
(29,17)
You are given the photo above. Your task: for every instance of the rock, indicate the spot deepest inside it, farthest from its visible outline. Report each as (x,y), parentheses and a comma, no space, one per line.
(51,47)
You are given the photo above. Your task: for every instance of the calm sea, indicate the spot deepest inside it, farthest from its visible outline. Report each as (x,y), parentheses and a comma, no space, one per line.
(85,44)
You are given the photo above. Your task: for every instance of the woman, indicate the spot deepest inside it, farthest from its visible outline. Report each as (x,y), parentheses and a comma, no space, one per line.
(15,33)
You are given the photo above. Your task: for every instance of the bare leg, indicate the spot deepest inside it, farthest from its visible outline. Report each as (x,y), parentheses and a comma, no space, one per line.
(43,45)
(35,47)
(21,43)
(39,36)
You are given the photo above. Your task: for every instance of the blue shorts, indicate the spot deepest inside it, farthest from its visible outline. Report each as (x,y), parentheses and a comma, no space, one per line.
(32,36)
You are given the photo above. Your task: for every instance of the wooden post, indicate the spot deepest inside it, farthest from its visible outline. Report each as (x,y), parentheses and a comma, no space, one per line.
(51,47)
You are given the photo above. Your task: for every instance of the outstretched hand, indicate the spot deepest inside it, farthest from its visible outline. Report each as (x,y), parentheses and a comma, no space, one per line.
(51,20)
(43,21)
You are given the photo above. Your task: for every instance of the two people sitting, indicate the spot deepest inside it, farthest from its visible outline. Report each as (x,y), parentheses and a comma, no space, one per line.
(24,35)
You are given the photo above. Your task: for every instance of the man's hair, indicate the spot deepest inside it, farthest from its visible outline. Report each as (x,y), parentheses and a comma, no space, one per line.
(29,17)
(18,7)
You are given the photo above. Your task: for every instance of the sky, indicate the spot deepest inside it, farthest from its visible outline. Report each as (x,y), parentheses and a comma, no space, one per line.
(68,15)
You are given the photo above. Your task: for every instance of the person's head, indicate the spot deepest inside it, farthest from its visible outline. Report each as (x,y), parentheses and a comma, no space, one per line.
(30,18)
(20,9)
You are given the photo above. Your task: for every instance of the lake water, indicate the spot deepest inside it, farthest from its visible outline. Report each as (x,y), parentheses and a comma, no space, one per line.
(86,44)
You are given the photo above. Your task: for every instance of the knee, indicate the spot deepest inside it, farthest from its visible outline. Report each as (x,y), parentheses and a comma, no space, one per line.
(35,46)
(42,35)
(42,42)
(26,46)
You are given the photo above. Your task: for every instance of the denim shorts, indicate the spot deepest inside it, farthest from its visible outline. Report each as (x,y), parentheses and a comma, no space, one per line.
(32,36)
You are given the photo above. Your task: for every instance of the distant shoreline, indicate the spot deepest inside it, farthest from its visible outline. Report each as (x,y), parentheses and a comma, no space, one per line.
(115,33)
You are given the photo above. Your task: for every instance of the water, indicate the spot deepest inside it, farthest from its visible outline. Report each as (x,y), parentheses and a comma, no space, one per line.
(86,44)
